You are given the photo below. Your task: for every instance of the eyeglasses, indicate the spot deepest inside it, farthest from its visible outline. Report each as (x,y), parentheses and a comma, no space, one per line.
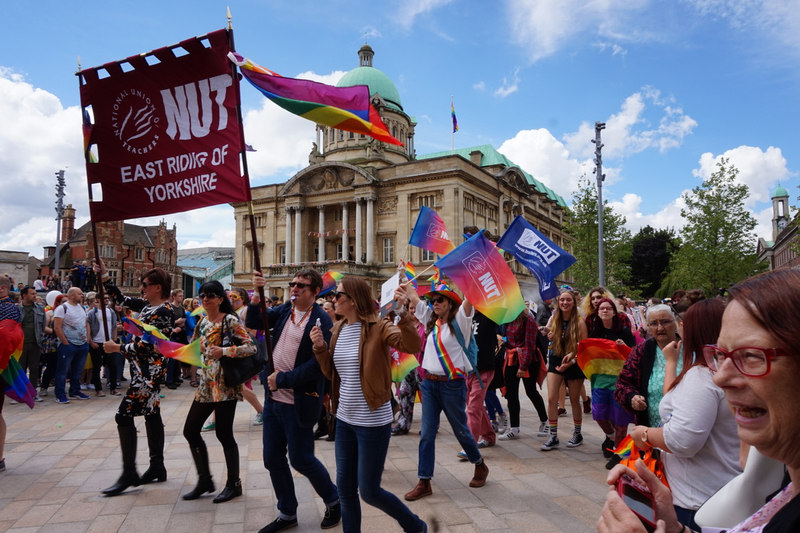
(301,286)
(605,308)
(337,295)
(663,323)
(750,361)
(207,295)
(438,299)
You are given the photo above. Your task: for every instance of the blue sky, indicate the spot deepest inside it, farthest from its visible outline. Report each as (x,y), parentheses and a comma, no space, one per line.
(679,84)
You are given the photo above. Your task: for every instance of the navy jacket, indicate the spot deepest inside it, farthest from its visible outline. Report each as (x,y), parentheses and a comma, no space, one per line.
(306,378)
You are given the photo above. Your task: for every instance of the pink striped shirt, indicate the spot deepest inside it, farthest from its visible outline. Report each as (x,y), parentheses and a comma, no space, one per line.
(284,355)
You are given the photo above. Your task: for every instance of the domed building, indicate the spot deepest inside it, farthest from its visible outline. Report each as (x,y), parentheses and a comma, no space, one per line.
(781,251)
(352,209)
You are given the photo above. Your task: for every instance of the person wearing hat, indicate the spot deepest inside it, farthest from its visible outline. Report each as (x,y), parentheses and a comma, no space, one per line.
(449,325)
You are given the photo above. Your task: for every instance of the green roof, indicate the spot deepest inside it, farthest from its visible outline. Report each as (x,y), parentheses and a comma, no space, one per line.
(491,157)
(377,81)
(779,192)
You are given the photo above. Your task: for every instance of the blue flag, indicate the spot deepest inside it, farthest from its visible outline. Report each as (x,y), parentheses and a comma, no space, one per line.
(538,253)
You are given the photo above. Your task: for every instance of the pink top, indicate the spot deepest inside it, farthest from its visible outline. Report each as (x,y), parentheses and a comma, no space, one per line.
(759,520)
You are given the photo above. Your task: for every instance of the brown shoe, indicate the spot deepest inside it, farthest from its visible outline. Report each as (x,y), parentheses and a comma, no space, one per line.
(481,473)
(422,489)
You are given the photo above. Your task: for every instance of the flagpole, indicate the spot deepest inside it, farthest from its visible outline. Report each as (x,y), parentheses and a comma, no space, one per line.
(251,215)
(452,130)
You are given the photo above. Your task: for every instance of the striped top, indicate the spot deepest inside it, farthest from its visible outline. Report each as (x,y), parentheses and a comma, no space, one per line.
(353,407)
(284,354)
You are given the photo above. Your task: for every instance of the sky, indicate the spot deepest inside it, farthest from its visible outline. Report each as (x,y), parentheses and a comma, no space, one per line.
(679,85)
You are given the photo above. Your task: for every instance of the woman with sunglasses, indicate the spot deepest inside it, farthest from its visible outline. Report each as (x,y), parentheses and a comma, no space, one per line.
(147,370)
(221,335)
(446,365)
(358,363)
(755,362)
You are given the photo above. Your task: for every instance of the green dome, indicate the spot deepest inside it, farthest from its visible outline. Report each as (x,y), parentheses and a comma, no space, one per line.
(779,192)
(377,81)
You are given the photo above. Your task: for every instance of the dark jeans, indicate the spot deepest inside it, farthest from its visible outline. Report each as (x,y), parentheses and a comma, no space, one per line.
(49,362)
(70,358)
(450,397)
(360,456)
(29,360)
(493,405)
(282,432)
(97,366)
(686,517)
(173,367)
(512,396)
(113,363)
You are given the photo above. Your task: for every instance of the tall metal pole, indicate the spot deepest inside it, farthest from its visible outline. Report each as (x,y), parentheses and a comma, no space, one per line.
(60,184)
(598,161)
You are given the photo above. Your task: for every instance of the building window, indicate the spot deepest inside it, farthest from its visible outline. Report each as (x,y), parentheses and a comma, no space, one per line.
(480,208)
(427,255)
(352,135)
(108,251)
(337,215)
(130,278)
(427,200)
(113,274)
(138,254)
(282,254)
(338,251)
(388,249)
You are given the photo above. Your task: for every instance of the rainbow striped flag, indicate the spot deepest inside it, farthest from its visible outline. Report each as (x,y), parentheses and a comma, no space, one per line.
(411,274)
(344,108)
(18,387)
(402,364)
(453,114)
(485,279)
(199,311)
(185,353)
(625,447)
(329,281)
(601,360)
(430,233)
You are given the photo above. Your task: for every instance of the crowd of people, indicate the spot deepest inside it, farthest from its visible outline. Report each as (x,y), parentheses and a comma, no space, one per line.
(675,393)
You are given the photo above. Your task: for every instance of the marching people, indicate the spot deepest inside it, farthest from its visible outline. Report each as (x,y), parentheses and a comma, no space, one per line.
(147,370)
(221,326)
(358,363)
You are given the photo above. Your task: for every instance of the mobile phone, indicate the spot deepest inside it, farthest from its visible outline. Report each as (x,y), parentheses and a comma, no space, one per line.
(639,499)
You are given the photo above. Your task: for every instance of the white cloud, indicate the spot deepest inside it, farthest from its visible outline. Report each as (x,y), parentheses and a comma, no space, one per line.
(412,8)
(616,50)
(479,86)
(510,86)
(667,217)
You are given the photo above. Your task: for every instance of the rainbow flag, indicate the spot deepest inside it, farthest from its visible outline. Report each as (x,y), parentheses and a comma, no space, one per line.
(186,353)
(344,108)
(329,281)
(199,311)
(411,274)
(601,360)
(453,115)
(18,387)
(430,233)
(625,448)
(402,364)
(484,278)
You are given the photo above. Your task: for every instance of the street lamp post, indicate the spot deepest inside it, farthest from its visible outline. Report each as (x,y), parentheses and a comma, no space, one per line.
(598,161)
(60,184)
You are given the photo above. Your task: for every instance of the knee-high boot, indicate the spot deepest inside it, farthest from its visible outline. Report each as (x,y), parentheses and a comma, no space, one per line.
(204,481)
(155,442)
(129,477)
(233,486)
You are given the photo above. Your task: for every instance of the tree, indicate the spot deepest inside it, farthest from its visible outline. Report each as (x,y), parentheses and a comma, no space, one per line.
(651,252)
(581,226)
(719,245)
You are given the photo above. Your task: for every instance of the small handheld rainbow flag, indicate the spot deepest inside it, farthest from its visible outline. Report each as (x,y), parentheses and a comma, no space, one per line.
(601,360)
(329,281)
(186,353)
(199,311)
(411,274)
(625,447)
(402,364)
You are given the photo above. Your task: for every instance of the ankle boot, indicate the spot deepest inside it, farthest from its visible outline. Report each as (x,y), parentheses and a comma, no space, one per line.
(233,487)
(422,489)
(480,475)
(204,481)
(155,442)
(129,477)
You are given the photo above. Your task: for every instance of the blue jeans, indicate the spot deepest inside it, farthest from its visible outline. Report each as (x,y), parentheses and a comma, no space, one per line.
(493,405)
(70,356)
(360,456)
(282,432)
(450,397)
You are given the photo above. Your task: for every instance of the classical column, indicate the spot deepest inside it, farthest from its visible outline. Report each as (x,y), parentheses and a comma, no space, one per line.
(345,236)
(288,246)
(370,230)
(358,230)
(321,243)
(298,245)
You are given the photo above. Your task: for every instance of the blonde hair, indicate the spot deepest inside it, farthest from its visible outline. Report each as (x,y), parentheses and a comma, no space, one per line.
(586,308)
(565,340)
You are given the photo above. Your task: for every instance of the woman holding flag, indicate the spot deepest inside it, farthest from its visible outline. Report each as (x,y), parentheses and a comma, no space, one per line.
(446,365)
(147,371)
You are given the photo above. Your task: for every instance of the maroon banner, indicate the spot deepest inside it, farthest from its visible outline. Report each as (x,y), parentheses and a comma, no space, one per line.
(165,129)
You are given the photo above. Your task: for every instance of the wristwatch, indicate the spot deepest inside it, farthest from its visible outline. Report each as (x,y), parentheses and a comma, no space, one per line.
(644,437)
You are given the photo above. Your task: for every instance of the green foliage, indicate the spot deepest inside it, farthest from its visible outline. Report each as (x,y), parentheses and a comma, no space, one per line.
(719,246)
(581,226)
(651,253)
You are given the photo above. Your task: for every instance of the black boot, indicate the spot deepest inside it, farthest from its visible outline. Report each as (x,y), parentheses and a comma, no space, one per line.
(233,487)
(204,481)
(322,426)
(129,477)
(155,442)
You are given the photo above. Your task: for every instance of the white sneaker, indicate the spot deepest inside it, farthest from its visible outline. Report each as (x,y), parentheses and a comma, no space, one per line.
(511,434)
(503,423)
(544,431)
(37,399)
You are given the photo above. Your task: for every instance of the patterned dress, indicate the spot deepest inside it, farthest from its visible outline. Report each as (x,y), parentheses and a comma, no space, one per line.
(228,332)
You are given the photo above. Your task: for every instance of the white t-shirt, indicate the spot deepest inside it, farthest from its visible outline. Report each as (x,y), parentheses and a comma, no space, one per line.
(74,324)
(430,360)
(100,337)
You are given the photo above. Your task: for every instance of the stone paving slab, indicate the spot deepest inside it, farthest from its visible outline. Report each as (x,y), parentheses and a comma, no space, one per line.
(59,458)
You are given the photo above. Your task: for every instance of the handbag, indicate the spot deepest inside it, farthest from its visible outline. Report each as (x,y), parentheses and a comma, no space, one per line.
(238,370)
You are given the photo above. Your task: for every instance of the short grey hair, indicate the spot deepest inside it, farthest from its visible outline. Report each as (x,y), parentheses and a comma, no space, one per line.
(657,309)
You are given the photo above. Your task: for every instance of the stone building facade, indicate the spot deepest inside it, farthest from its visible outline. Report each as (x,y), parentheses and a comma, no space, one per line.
(782,250)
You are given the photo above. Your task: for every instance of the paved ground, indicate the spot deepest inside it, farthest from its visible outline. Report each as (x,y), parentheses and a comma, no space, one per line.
(59,457)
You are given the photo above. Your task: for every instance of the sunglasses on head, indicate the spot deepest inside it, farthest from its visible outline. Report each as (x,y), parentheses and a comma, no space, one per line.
(299,285)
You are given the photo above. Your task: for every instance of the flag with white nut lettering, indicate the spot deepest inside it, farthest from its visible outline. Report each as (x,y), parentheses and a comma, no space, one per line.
(161,131)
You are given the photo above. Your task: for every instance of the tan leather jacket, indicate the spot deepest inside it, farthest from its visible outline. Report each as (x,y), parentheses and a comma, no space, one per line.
(374,360)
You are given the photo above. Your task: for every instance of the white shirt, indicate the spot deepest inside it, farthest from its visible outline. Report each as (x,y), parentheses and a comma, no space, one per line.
(700,430)
(100,337)
(430,360)
(74,324)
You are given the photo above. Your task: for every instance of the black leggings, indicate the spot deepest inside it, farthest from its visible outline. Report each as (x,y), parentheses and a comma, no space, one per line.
(512,395)
(198,414)
(128,421)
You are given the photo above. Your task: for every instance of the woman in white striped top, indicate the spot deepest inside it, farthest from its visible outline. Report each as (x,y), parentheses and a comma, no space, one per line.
(359,366)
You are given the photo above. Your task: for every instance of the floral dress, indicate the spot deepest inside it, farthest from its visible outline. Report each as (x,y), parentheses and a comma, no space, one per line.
(229,332)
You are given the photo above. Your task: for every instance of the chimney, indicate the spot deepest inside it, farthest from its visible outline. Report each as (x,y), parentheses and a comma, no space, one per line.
(475,156)
(68,223)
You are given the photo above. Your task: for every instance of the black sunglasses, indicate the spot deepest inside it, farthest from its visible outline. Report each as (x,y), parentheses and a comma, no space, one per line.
(338,295)
(146,284)
(204,295)
(301,286)
(438,299)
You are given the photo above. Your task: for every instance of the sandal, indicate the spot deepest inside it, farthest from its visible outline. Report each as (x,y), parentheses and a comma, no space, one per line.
(195,383)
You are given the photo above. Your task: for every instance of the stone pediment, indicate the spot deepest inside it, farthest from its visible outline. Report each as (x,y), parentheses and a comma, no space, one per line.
(327,177)
(515,179)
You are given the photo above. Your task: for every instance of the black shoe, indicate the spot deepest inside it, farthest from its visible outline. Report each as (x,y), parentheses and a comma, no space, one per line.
(333,515)
(320,432)
(231,491)
(127,479)
(156,473)
(614,461)
(172,386)
(279,524)
(608,447)
(204,485)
